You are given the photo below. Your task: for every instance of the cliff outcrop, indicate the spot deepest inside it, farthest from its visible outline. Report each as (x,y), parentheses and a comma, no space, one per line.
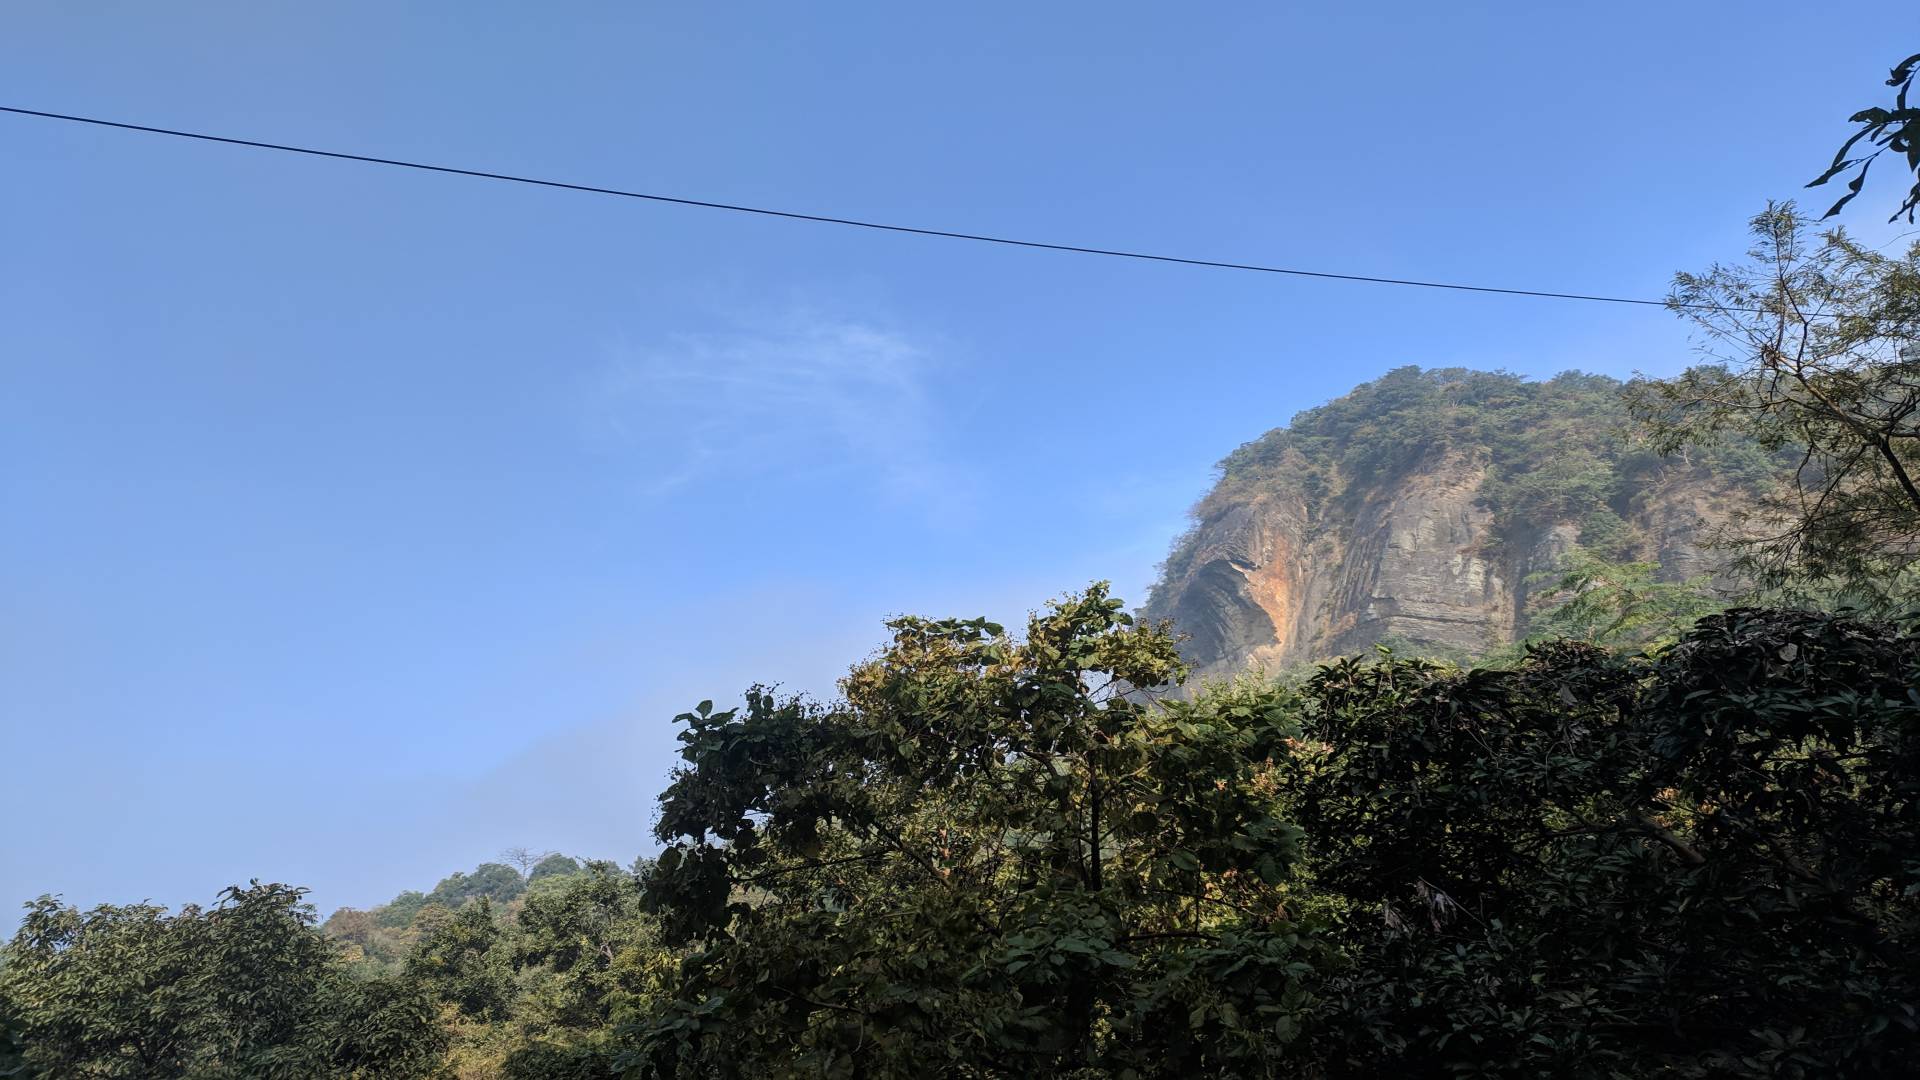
(1422,510)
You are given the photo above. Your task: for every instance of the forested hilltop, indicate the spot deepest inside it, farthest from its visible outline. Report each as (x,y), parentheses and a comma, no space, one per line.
(380,937)
(1437,511)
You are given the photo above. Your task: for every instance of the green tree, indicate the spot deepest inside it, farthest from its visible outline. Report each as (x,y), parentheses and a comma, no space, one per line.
(459,964)
(13,1049)
(1896,129)
(535,989)
(591,963)
(368,946)
(553,865)
(996,857)
(1815,349)
(398,913)
(1592,866)
(590,929)
(247,988)
(496,882)
(1617,604)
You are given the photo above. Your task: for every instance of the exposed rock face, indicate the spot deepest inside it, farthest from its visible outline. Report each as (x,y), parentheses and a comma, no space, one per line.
(1272,577)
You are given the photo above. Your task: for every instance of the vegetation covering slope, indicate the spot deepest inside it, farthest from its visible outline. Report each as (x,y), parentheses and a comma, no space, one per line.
(986,862)
(1557,450)
(380,938)
(246,988)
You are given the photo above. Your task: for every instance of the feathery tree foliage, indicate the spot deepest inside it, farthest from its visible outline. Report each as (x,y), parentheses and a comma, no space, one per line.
(1815,350)
(1615,604)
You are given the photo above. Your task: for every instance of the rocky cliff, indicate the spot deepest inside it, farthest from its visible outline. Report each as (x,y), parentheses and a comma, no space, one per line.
(1421,509)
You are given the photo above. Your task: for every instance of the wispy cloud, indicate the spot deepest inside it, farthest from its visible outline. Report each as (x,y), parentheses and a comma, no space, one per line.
(804,394)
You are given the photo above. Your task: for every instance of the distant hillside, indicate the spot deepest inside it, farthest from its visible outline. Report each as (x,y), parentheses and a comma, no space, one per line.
(379,937)
(1415,509)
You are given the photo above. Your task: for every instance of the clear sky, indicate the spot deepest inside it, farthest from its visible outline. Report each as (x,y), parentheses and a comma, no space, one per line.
(359,524)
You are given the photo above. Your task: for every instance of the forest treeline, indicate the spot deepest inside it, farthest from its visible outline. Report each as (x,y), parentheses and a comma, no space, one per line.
(992,859)
(1689,850)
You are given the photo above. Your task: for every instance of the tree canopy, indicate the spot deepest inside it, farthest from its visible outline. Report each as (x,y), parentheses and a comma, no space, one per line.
(1590,864)
(1813,346)
(247,988)
(1008,855)
(995,856)
(1697,865)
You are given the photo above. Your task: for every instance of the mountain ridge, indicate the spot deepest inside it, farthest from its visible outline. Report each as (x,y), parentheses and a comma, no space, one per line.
(1424,507)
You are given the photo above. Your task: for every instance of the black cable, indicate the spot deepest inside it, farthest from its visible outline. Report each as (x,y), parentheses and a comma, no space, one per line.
(825,219)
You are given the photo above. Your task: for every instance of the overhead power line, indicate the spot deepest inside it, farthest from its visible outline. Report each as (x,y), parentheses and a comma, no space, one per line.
(825,219)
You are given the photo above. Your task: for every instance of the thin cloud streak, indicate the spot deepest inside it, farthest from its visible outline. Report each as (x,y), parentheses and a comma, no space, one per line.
(802,396)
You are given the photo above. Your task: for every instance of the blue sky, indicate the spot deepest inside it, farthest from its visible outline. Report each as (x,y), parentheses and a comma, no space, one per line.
(360,524)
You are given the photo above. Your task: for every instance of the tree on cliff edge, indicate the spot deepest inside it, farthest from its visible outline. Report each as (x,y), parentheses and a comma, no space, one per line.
(1814,346)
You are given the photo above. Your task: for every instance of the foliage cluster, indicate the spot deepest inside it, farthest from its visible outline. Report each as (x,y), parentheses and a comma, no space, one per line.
(1619,605)
(532,969)
(1700,864)
(1697,865)
(997,856)
(539,991)
(248,988)
(380,938)
(991,859)
(1813,349)
(1896,129)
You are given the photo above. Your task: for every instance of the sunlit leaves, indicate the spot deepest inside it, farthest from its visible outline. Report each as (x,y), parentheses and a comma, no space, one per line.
(247,988)
(996,854)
